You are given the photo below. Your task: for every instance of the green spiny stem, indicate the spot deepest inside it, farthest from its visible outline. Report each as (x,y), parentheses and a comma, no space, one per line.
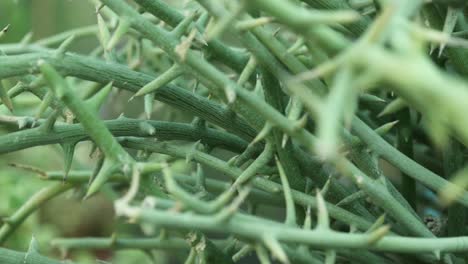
(267,60)
(405,164)
(80,177)
(395,154)
(281,53)
(90,122)
(171,16)
(30,207)
(411,221)
(297,69)
(247,100)
(317,238)
(274,96)
(458,56)
(65,133)
(251,171)
(368,163)
(92,69)
(380,195)
(213,186)
(263,184)
(8,256)
(391,39)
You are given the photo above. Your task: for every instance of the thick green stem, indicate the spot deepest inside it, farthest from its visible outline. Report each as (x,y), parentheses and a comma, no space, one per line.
(92,69)
(318,238)
(65,133)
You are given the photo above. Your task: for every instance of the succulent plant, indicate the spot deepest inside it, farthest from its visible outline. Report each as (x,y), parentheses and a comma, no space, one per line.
(346,117)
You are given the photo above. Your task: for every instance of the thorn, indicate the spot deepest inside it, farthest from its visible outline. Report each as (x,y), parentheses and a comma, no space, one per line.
(378,234)
(33,246)
(199,123)
(225,22)
(68,151)
(371,98)
(168,76)
(108,167)
(262,254)
(104,34)
(393,107)
(378,223)
(46,101)
(230,94)
(98,99)
(284,140)
(62,49)
(275,248)
(385,128)
(228,211)
(243,251)
(184,46)
(262,134)
(148,104)
(201,39)
(232,161)
(192,151)
(184,25)
(248,70)
(147,128)
(296,46)
(4,30)
(321,70)
(323,221)
(449,25)
(326,186)
(290,207)
(99,7)
(301,123)
(122,29)
(25,121)
(49,124)
(26,39)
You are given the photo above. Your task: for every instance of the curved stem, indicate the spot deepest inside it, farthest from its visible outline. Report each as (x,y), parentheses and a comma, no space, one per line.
(65,133)
(96,70)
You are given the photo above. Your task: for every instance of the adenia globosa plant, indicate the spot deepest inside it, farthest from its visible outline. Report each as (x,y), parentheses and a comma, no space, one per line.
(347,119)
